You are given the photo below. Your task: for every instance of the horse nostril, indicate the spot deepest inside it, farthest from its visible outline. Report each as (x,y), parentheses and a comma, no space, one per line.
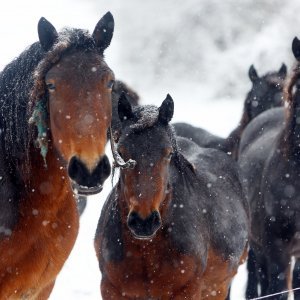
(106,166)
(155,219)
(103,169)
(144,227)
(74,168)
(133,220)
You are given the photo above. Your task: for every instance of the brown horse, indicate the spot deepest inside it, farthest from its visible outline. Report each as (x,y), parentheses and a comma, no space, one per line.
(55,113)
(175,226)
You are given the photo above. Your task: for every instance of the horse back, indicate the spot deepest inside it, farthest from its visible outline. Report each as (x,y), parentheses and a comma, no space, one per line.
(200,136)
(219,199)
(259,139)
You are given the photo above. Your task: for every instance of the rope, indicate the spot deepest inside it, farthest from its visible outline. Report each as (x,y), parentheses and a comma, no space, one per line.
(119,162)
(280,293)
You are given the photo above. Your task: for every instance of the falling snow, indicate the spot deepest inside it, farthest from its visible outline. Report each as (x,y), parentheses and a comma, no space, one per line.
(200,54)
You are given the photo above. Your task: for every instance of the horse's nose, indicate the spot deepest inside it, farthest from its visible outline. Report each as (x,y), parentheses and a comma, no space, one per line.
(85,182)
(144,228)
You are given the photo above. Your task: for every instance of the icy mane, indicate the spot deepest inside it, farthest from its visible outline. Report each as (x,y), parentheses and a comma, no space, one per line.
(146,116)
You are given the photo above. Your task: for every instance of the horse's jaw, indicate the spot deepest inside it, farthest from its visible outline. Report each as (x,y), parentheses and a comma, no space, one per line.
(85,190)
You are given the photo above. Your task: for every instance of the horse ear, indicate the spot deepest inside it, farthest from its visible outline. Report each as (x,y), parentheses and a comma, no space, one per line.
(103,31)
(296,48)
(47,34)
(166,110)
(252,73)
(124,108)
(282,71)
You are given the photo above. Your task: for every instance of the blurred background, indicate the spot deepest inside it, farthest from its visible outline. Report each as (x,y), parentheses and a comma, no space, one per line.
(199,51)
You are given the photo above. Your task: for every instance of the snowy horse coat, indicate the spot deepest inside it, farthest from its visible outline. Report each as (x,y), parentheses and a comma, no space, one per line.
(175,226)
(55,111)
(270,162)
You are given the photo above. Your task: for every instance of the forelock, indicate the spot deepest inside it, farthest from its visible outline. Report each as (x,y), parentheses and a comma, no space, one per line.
(146,116)
(68,39)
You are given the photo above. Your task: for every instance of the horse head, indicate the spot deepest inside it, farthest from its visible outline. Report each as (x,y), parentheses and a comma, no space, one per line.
(76,83)
(266,91)
(145,138)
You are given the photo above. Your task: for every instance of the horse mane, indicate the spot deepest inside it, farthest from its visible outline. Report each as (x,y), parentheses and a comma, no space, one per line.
(290,83)
(22,86)
(291,134)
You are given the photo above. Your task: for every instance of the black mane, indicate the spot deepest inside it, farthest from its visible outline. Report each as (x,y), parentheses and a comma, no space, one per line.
(22,85)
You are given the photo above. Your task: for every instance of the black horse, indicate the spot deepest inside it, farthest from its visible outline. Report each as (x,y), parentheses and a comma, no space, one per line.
(270,161)
(266,92)
(55,108)
(175,226)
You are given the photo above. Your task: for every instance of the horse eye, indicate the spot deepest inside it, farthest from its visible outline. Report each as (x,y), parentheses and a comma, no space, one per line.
(110,84)
(50,87)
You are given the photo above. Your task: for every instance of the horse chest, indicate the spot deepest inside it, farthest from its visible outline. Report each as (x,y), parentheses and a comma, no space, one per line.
(46,240)
(151,271)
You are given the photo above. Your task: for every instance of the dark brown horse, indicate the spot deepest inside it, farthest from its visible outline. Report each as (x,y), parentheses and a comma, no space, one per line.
(55,112)
(270,161)
(175,226)
(265,93)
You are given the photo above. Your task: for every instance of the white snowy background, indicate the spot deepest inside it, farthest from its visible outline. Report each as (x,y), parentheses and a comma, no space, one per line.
(199,51)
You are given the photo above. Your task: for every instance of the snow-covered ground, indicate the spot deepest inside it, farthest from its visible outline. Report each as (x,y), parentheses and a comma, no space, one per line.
(199,51)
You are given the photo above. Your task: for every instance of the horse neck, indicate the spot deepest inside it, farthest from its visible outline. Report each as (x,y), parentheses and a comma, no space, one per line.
(46,187)
(232,142)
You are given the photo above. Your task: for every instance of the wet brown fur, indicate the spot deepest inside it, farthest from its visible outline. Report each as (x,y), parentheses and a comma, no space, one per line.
(47,221)
(74,113)
(44,236)
(172,275)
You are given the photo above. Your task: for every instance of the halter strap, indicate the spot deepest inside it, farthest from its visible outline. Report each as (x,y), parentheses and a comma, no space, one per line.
(119,162)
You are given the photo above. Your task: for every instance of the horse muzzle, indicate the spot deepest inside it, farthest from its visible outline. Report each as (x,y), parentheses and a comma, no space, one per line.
(83,181)
(144,229)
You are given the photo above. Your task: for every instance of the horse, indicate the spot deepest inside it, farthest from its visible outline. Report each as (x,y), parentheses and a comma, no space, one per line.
(55,106)
(175,226)
(265,93)
(118,88)
(269,159)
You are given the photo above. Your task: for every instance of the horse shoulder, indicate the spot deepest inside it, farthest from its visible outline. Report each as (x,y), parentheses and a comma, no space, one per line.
(219,200)
(270,120)
(260,142)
